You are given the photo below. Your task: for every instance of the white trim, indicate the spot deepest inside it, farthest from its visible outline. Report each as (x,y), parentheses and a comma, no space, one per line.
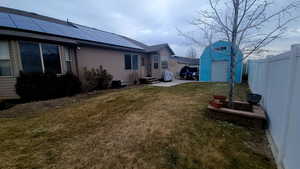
(42,58)
(8,59)
(62,71)
(131,61)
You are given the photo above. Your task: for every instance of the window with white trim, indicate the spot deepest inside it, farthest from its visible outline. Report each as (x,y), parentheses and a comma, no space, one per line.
(40,57)
(68,59)
(5,64)
(131,62)
(164,64)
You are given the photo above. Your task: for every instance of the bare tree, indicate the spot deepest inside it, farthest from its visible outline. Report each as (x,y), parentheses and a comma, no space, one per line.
(191,52)
(249,25)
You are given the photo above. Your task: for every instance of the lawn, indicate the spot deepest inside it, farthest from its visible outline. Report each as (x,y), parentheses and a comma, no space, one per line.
(141,128)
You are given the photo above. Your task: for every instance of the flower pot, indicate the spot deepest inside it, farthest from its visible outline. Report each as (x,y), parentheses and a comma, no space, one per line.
(216,104)
(253,98)
(219,97)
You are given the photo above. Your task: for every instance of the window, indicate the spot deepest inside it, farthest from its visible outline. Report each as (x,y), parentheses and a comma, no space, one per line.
(40,57)
(4,59)
(164,64)
(30,56)
(135,64)
(68,60)
(127,61)
(155,61)
(131,62)
(51,58)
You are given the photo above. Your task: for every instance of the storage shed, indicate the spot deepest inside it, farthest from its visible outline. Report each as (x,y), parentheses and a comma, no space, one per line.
(215,63)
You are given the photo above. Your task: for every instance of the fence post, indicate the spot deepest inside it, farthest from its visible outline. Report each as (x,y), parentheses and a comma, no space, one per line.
(295,51)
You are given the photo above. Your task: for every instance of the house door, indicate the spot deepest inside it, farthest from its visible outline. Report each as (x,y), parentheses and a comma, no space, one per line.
(149,66)
(219,71)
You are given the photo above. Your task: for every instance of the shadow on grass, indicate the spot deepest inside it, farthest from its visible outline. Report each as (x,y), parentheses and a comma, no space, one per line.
(6,104)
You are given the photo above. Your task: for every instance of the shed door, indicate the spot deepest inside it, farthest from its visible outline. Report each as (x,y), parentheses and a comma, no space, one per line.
(219,71)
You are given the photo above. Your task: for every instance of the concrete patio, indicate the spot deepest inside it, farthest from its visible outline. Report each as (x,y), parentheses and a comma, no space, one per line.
(173,83)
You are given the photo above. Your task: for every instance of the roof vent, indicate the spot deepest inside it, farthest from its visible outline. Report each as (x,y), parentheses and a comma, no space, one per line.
(71,24)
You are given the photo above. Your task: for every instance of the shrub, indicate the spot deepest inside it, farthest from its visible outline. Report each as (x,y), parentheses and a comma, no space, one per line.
(70,84)
(97,79)
(43,86)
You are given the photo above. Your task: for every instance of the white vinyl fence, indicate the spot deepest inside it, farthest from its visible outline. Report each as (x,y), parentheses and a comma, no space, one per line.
(277,79)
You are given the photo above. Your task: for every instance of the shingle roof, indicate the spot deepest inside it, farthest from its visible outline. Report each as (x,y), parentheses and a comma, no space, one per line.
(186,60)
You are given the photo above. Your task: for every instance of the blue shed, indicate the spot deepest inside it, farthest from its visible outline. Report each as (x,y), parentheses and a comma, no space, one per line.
(215,63)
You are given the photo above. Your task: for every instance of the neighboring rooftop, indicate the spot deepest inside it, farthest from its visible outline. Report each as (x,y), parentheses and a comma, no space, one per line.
(155,48)
(186,60)
(32,22)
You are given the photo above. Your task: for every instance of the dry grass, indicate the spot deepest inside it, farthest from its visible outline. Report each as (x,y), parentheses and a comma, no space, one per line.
(148,127)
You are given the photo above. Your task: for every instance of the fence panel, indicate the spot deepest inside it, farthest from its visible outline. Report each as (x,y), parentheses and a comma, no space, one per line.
(277,79)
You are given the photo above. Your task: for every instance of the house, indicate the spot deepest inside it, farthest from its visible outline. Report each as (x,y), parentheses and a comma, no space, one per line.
(34,43)
(215,63)
(176,63)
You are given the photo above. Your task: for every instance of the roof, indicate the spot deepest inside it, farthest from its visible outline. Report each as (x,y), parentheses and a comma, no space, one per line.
(18,20)
(220,51)
(158,47)
(186,60)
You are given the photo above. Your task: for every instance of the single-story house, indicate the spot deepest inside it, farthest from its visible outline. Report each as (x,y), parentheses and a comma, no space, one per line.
(215,63)
(34,43)
(176,63)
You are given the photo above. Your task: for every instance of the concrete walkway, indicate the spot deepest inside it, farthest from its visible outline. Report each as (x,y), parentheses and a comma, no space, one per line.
(173,83)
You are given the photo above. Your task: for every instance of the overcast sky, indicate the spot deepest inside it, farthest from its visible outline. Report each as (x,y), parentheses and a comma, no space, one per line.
(148,21)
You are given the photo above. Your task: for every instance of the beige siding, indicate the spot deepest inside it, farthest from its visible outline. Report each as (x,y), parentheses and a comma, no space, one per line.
(163,54)
(7,87)
(111,60)
(175,67)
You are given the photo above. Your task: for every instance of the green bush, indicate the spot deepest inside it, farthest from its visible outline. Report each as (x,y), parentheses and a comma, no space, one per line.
(97,79)
(43,86)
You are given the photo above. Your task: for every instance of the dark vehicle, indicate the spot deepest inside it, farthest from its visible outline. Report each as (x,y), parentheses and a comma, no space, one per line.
(189,73)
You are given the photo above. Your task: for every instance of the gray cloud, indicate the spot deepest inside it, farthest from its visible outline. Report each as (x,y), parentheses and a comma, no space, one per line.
(149,21)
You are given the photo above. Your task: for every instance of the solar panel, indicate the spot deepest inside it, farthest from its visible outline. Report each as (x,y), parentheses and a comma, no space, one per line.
(59,29)
(48,27)
(106,37)
(76,31)
(23,22)
(73,32)
(6,21)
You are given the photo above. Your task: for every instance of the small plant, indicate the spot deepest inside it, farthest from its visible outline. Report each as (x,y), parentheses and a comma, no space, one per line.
(97,79)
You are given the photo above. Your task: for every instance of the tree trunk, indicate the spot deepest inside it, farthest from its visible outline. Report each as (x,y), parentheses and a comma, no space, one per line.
(231,80)
(233,51)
